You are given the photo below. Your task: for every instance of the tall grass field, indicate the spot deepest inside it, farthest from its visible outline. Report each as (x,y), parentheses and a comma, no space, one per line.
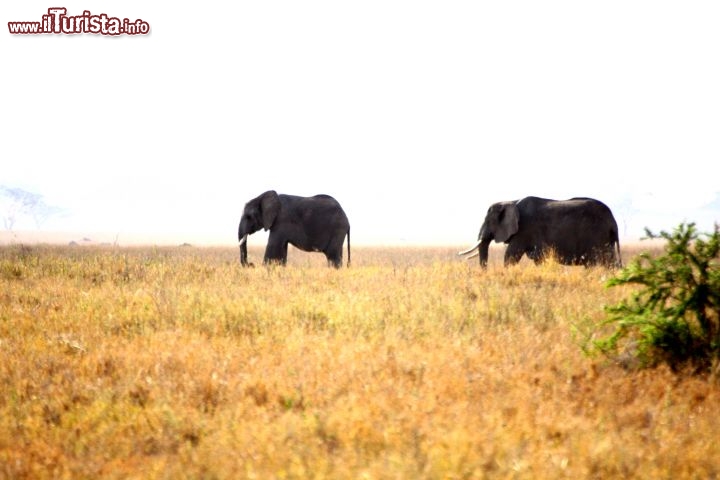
(172,363)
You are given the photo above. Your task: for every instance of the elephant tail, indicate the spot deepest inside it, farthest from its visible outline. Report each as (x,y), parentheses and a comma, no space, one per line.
(616,241)
(348,235)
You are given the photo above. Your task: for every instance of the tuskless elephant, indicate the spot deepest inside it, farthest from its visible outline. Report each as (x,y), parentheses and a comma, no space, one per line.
(312,224)
(578,231)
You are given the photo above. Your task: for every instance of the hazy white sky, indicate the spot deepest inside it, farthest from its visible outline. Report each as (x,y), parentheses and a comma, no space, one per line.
(415,115)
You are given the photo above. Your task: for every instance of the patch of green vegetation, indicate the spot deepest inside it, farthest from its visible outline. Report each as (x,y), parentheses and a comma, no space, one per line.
(674,317)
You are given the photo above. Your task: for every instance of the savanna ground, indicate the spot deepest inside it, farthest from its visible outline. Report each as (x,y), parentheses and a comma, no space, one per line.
(177,363)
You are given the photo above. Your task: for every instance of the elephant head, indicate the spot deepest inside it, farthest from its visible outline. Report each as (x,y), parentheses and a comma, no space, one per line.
(260,212)
(501,223)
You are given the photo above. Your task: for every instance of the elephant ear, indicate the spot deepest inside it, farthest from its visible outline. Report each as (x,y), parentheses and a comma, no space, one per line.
(270,207)
(509,223)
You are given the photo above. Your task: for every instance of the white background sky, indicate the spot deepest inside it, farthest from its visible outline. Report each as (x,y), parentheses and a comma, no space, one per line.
(415,115)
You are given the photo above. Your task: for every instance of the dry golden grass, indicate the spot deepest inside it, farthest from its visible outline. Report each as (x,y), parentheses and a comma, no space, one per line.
(176,363)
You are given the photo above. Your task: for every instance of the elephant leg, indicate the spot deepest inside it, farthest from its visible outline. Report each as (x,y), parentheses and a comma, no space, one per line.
(537,255)
(334,258)
(276,250)
(604,259)
(513,254)
(334,252)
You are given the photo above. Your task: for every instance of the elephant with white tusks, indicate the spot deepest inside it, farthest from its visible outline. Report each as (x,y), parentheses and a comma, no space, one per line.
(312,224)
(579,231)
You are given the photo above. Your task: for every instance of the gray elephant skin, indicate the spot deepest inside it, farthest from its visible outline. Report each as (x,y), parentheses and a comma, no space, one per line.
(578,231)
(312,224)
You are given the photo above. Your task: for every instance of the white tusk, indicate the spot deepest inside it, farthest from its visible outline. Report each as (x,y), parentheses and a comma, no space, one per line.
(470,249)
(244,239)
(473,255)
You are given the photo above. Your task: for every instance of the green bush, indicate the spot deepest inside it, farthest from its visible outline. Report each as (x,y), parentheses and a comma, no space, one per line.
(674,317)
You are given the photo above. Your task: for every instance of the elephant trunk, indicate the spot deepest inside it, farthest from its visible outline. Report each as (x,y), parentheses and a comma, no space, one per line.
(484,239)
(482,245)
(483,252)
(243,251)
